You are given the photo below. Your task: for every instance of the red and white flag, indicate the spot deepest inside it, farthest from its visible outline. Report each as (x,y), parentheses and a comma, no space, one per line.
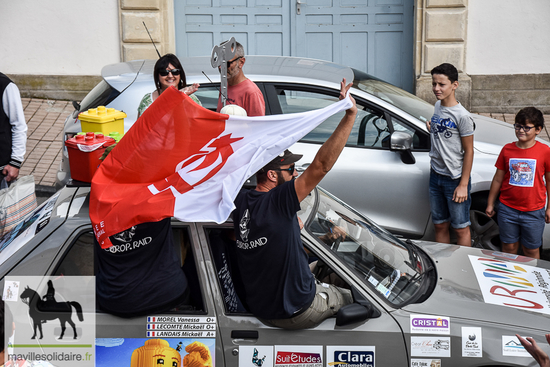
(182,160)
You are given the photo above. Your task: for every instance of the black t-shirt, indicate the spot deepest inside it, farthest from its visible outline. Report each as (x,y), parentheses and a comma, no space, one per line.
(141,272)
(272,261)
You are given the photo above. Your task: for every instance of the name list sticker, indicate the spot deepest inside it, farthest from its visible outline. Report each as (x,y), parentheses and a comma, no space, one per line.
(181,334)
(429,324)
(472,342)
(181,327)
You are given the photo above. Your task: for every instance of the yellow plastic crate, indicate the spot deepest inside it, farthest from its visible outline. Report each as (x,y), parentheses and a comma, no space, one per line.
(103,120)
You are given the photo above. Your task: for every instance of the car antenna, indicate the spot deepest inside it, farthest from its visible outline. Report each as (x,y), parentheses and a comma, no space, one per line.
(153,42)
(213,82)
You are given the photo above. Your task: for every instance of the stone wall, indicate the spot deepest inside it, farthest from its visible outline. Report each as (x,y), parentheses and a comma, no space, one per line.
(441,35)
(510,93)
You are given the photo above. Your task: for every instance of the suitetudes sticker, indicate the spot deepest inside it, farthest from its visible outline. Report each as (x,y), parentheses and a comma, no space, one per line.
(514,285)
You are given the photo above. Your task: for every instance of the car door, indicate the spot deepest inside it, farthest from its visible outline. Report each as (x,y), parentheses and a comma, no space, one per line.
(117,338)
(247,341)
(368,174)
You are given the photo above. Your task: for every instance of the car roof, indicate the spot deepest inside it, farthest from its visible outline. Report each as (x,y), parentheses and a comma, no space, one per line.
(266,68)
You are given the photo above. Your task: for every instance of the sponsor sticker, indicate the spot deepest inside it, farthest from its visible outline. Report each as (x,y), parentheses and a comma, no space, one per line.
(298,356)
(513,285)
(430,346)
(141,352)
(428,324)
(425,362)
(471,342)
(350,356)
(256,356)
(512,347)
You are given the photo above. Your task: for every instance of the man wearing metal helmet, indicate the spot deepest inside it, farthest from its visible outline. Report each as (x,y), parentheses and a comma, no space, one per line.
(278,283)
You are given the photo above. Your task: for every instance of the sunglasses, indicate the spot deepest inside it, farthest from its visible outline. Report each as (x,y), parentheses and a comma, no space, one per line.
(519,127)
(174,72)
(289,169)
(232,61)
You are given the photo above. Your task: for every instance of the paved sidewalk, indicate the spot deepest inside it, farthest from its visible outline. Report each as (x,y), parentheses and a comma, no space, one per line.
(45,119)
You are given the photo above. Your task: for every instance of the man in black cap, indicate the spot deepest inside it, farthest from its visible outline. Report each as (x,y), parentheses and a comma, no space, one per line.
(279,285)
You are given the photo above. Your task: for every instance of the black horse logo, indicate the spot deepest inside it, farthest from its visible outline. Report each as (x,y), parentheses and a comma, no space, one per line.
(41,311)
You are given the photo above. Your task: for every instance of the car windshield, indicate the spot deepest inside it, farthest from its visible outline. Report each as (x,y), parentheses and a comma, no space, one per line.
(401,99)
(386,264)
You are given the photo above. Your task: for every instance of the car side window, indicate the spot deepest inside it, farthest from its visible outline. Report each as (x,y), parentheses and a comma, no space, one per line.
(222,251)
(208,95)
(370,128)
(79,261)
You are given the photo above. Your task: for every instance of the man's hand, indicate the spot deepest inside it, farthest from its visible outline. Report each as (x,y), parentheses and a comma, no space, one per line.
(547,216)
(428,125)
(343,91)
(461,194)
(532,347)
(10,172)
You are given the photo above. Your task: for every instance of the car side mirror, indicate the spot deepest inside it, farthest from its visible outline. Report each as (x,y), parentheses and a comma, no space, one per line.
(353,313)
(402,142)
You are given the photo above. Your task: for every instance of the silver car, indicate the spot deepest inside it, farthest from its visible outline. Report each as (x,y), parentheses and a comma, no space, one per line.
(384,169)
(415,303)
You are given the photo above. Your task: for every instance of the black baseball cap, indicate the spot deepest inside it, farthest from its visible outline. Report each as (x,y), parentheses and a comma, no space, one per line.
(287,157)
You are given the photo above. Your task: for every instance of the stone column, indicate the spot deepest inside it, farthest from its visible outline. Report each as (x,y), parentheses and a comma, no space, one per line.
(158,15)
(441,37)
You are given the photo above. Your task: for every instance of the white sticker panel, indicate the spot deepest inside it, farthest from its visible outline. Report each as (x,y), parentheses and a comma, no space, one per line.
(415,362)
(472,342)
(430,346)
(256,356)
(512,347)
(511,284)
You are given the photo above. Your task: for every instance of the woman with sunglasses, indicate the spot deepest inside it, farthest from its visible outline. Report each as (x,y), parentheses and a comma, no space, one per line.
(168,72)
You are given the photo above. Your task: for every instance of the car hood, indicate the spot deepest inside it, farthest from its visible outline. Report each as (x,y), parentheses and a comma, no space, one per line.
(458,292)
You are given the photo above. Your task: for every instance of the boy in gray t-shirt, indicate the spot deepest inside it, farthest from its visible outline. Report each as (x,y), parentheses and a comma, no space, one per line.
(452,137)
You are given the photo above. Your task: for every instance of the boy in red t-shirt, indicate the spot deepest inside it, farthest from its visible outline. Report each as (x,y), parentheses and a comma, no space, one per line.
(523,192)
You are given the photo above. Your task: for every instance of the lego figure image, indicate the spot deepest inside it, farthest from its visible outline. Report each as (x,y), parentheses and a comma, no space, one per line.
(198,356)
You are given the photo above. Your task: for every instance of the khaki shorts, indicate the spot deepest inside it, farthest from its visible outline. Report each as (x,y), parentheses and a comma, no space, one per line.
(326,303)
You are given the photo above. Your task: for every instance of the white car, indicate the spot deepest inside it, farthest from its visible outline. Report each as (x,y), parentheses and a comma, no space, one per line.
(384,169)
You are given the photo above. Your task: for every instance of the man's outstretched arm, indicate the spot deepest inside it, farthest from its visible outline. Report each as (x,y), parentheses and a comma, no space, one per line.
(329,151)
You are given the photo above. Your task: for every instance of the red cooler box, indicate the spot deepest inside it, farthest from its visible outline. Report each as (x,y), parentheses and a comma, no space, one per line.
(84,153)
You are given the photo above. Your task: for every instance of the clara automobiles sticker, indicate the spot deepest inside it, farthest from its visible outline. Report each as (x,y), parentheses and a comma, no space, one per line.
(471,342)
(430,346)
(512,347)
(351,356)
(427,324)
(256,356)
